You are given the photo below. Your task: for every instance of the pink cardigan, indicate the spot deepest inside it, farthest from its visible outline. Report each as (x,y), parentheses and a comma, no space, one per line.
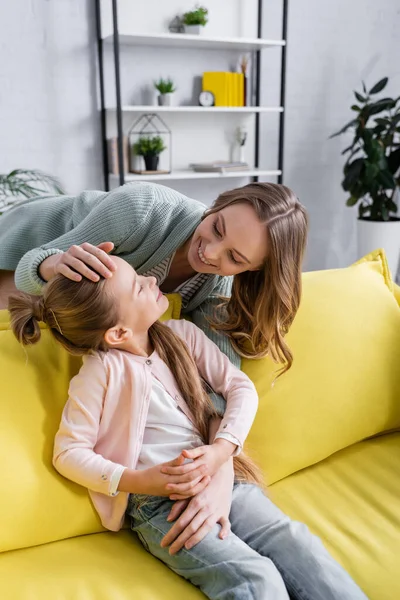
(103,421)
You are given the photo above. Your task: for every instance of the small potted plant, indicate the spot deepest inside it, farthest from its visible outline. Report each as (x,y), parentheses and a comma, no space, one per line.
(150,147)
(195,19)
(166,89)
(372,171)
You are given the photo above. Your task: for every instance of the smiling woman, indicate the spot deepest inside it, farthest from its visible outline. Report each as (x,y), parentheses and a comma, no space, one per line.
(256,233)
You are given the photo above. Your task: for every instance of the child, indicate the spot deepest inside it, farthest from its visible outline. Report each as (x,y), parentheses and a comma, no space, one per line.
(137,402)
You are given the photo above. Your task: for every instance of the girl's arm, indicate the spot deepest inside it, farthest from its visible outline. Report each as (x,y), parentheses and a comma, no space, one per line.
(226,379)
(75,458)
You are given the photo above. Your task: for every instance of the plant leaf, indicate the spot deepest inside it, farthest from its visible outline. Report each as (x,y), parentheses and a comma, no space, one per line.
(393,161)
(351,201)
(359,97)
(356,108)
(345,128)
(378,87)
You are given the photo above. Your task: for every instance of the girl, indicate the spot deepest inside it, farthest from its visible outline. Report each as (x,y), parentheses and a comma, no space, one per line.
(137,402)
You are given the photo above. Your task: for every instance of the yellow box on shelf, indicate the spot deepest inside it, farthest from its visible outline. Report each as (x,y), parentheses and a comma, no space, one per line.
(217,83)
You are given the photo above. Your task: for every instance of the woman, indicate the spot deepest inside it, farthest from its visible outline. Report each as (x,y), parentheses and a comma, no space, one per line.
(256,233)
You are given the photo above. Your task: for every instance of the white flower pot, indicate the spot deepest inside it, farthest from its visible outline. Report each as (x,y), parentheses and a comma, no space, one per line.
(165,99)
(193,29)
(380,234)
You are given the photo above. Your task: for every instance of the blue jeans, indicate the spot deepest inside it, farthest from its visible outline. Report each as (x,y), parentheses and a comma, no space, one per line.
(266,555)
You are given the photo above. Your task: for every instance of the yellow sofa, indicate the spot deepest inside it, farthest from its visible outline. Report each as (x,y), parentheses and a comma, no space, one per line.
(327,435)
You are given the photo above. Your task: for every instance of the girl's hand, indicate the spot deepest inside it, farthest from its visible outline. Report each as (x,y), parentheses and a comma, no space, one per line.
(85,260)
(207,458)
(154,482)
(199,515)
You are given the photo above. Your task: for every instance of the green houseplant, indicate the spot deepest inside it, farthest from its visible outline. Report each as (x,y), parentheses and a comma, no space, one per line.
(21,184)
(195,19)
(372,169)
(166,89)
(150,147)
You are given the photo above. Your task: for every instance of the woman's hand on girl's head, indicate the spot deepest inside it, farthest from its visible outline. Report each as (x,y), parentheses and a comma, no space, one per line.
(85,260)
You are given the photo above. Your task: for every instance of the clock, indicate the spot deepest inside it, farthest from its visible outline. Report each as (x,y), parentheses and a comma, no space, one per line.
(206,99)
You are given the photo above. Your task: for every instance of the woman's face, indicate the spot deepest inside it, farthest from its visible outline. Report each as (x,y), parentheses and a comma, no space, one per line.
(229,242)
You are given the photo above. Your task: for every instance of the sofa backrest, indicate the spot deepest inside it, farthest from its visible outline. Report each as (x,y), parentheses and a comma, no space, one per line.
(344,384)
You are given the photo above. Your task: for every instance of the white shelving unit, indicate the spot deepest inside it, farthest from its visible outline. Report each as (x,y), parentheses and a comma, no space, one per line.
(198,109)
(181,40)
(188,174)
(165,42)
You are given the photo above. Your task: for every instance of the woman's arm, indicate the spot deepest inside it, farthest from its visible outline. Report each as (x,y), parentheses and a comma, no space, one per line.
(125,212)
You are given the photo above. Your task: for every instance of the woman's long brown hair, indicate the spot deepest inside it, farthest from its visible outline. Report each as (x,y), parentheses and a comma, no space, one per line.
(264,303)
(79,314)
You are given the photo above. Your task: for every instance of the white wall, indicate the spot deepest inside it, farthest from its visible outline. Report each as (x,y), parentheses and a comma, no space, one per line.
(332,46)
(48,79)
(48,104)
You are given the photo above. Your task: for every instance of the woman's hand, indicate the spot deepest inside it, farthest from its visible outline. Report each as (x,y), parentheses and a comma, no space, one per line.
(85,260)
(154,482)
(210,458)
(199,515)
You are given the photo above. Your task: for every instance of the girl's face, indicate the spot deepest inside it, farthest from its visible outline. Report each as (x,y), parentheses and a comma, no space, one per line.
(139,298)
(229,242)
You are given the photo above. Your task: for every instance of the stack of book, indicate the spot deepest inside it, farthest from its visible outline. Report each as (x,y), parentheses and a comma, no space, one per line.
(219,166)
(228,88)
(112,150)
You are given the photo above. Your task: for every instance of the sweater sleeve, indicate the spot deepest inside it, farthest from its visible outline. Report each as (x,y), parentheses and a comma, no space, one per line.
(74,455)
(126,211)
(206,310)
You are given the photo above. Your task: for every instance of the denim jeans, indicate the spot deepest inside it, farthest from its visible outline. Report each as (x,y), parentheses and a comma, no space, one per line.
(266,556)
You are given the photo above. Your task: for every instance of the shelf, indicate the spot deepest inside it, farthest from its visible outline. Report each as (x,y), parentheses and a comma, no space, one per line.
(188,174)
(182,40)
(199,109)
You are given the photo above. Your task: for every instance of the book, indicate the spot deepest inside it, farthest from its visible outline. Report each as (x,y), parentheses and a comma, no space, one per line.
(219,166)
(217,83)
(112,150)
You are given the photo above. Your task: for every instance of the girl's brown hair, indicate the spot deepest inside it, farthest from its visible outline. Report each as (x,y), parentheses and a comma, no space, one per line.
(79,314)
(264,302)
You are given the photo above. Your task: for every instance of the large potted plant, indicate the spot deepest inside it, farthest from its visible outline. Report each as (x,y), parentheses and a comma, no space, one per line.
(372,171)
(166,89)
(194,20)
(150,147)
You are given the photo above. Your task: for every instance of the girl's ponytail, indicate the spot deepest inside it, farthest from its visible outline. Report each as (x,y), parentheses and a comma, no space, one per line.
(25,312)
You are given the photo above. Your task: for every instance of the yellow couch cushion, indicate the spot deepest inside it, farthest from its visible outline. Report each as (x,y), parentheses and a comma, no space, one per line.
(36,504)
(344,384)
(352,501)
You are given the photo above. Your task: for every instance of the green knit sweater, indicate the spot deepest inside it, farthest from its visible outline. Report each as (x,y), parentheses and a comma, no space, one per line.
(146,222)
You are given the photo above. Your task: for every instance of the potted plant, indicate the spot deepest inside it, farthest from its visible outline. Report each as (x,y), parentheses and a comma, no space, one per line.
(166,89)
(372,171)
(22,184)
(195,19)
(150,147)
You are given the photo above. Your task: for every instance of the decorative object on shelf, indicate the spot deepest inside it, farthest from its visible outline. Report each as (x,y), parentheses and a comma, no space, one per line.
(226,87)
(176,25)
(206,98)
(166,89)
(194,20)
(244,69)
(112,153)
(149,137)
(21,184)
(241,136)
(219,166)
(372,171)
